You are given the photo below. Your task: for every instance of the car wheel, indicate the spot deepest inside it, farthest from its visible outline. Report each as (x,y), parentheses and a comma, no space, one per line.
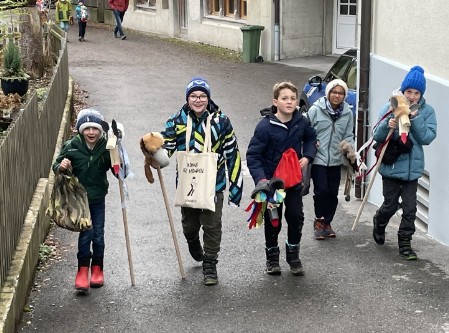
(303,109)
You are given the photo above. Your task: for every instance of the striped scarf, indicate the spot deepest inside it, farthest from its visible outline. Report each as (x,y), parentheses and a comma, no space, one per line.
(334,113)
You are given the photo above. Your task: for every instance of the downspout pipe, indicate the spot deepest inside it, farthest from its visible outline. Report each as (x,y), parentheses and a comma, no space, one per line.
(277,37)
(363,103)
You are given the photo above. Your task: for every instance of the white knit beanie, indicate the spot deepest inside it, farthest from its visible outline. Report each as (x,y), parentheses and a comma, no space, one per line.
(337,82)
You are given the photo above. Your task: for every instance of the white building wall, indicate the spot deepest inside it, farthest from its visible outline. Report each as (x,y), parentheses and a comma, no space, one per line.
(158,21)
(302,28)
(413,32)
(424,46)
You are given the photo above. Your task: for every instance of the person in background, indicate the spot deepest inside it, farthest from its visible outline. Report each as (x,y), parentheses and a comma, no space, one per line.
(199,106)
(400,179)
(119,8)
(82,14)
(86,155)
(283,128)
(333,121)
(63,13)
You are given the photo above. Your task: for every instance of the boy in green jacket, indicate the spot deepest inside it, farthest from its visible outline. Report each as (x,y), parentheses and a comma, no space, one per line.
(89,160)
(63,13)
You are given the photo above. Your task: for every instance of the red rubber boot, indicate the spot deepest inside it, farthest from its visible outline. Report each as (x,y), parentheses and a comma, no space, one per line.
(96,276)
(82,278)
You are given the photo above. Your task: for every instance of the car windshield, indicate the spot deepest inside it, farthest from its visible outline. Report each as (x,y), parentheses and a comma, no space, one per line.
(339,69)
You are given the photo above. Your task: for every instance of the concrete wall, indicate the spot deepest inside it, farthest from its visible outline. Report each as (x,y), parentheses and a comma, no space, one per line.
(302,28)
(158,20)
(419,36)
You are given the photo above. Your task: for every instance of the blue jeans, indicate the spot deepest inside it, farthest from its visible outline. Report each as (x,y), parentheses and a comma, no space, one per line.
(64,25)
(94,236)
(118,22)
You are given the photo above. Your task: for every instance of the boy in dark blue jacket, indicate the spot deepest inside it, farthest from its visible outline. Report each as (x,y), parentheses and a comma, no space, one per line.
(285,127)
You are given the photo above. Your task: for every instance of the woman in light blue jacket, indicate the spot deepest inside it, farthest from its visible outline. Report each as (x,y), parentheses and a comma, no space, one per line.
(333,121)
(400,179)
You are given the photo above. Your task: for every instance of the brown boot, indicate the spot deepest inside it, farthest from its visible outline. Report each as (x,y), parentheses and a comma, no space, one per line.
(328,231)
(82,278)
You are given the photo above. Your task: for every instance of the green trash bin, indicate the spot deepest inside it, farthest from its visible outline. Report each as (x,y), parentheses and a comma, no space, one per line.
(251,42)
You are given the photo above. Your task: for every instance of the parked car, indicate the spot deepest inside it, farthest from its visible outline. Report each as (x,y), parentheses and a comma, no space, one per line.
(345,68)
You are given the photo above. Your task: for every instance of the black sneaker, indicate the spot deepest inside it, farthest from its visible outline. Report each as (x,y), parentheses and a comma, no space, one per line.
(123,37)
(408,254)
(210,271)
(378,233)
(195,249)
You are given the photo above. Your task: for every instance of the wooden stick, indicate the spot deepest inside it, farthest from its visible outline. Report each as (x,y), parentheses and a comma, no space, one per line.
(170,220)
(125,224)
(371,182)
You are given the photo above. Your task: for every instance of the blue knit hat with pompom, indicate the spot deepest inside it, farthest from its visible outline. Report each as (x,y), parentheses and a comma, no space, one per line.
(415,80)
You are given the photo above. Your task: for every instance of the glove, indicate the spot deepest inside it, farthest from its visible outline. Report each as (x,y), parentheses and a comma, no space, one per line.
(262,185)
(275,184)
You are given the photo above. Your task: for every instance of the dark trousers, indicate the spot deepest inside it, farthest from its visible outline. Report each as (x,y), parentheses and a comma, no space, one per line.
(81,28)
(294,216)
(326,181)
(392,190)
(193,219)
(94,236)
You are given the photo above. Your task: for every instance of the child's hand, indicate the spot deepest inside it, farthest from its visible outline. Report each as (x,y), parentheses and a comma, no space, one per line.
(65,164)
(303,162)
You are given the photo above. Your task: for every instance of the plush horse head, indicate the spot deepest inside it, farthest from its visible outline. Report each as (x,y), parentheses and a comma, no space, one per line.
(401,111)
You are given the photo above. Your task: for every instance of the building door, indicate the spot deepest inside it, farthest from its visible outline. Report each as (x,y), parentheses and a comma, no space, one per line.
(345,23)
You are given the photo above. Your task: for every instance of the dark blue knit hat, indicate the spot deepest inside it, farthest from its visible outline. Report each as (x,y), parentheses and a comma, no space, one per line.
(198,83)
(414,79)
(89,118)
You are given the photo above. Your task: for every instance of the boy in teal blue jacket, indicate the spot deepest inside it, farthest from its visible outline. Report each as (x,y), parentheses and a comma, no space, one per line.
(400,179)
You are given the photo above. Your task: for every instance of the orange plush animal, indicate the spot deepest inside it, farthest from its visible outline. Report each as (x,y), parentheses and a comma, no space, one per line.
(401,111)
(150,144)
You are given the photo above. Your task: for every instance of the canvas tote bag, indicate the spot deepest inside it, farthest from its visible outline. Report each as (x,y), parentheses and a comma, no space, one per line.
(197,173)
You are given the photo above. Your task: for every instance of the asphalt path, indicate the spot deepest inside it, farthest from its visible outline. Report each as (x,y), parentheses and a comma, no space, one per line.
(351,284)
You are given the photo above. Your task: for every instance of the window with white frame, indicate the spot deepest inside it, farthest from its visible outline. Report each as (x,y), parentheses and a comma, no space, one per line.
(146,4)
(236,9)
(348,7)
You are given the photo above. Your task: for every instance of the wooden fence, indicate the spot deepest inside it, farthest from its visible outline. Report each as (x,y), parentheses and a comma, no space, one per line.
(26,153)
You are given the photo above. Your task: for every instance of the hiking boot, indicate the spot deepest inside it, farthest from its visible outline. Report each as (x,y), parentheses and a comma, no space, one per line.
(378,233)
(210,271)
(405,248)
(328,231)
(273,267)
(195,249)
(318,229)
(292,256)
